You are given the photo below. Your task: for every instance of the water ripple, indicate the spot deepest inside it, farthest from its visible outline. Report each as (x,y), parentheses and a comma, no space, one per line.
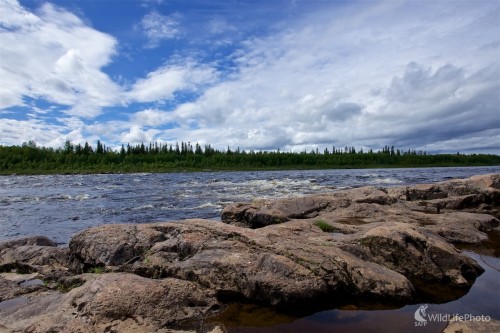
(58,206)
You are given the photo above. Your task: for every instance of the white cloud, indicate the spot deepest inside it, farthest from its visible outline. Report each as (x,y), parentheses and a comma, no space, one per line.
(482,142)
(152,117)
(18,17)
(54,56)
(158,27)
(136,135)
(162,83)
(19,131)
(387,73)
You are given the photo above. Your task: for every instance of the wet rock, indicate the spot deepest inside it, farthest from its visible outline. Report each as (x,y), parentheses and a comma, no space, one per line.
(463,227)
(247,215)
(405,229)
(425,192)
(34,252)
(155,303)
(35,240)
(478,194)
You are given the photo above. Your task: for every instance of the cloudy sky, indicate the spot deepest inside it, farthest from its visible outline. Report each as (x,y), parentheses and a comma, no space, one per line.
(254,74)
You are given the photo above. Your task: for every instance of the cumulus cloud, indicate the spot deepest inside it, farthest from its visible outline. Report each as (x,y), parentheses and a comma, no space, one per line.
(52,55)
(482,142)
(162,83)
(439,105)
(136,135)
(419,84)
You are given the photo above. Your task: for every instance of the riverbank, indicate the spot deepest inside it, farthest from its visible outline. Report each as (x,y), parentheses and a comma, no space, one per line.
(132,170)
(363,245)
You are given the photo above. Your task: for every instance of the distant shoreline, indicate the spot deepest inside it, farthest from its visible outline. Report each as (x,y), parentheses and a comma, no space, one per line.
(221,169)
(34,160)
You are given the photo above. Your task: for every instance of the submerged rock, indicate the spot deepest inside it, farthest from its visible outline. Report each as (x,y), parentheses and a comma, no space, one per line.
(388,245)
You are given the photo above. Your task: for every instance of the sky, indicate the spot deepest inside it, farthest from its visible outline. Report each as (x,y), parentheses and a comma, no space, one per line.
(292,75)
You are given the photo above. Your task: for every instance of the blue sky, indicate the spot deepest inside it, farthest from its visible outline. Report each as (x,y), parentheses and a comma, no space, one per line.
(260,75)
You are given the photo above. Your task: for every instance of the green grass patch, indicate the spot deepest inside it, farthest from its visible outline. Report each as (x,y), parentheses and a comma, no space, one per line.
(325,227)
(96,270)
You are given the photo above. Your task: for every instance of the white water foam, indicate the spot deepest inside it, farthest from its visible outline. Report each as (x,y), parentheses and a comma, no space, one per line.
(208,205)
(143,207)
(388,181)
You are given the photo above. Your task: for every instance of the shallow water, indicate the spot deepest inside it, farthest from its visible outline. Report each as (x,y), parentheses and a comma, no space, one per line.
(58,206)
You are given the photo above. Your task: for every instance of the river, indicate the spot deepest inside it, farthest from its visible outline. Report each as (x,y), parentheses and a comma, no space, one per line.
(58,206)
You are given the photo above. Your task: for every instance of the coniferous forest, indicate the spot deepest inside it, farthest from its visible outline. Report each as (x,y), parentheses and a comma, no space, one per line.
(156,157)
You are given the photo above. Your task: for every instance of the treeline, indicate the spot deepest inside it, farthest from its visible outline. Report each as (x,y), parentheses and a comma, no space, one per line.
(156,157)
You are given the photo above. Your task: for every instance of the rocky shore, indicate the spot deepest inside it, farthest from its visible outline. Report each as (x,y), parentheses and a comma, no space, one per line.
(392,246)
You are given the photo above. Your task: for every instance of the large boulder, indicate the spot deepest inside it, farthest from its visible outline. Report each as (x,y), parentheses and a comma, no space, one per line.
(282,265)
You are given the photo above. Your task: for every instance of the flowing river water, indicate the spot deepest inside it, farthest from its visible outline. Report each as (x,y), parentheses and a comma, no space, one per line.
(58,206)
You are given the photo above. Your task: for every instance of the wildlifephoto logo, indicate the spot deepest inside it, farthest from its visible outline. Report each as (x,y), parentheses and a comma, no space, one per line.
(422,317)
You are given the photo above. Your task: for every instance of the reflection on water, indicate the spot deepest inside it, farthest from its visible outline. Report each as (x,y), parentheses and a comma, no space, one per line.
(13,302)
(489,248)
(482,299)
(251,315)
